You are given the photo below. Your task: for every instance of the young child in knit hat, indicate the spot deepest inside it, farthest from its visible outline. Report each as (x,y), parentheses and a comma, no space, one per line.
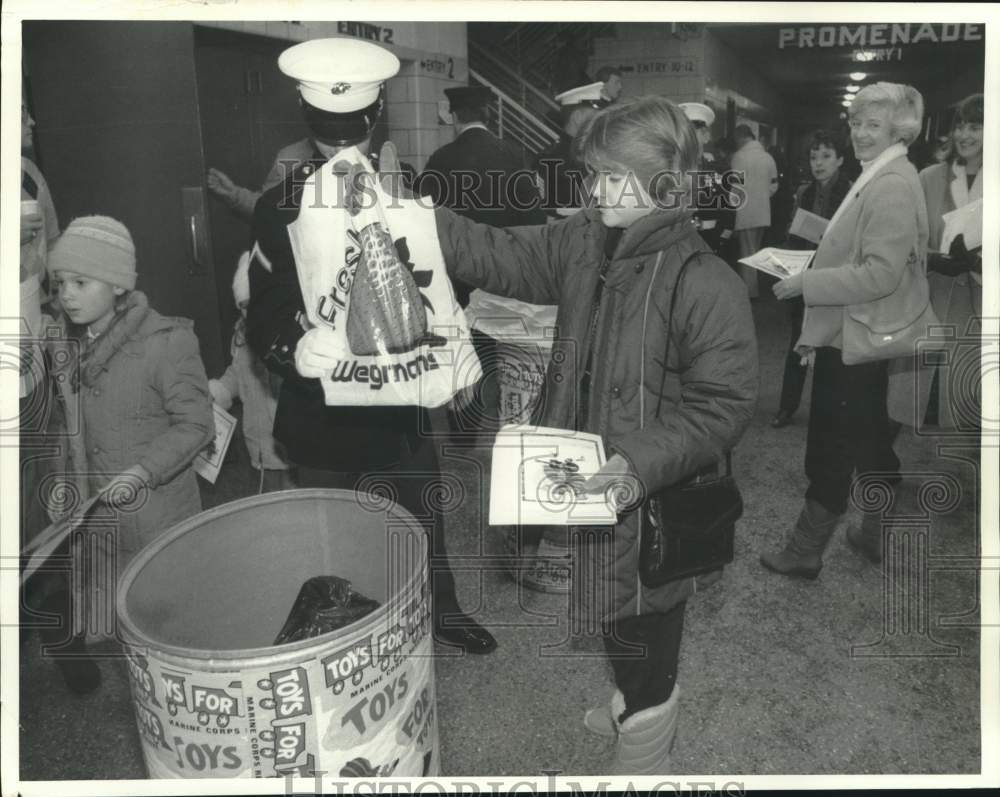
(135,398)
(248,380)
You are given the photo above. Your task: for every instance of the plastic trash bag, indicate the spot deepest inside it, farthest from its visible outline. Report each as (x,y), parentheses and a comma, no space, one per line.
(324,604)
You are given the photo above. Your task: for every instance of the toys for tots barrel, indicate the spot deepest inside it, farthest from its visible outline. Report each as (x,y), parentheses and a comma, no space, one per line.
(200,608)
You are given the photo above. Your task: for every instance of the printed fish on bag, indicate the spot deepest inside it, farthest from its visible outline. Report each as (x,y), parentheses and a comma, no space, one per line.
(386,313)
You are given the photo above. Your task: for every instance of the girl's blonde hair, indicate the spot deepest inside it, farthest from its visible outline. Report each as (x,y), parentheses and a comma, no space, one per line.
(649,136)
(906,107)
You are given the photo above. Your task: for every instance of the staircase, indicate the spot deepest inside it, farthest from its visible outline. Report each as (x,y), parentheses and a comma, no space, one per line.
(530,49)
(516,60)
(512,121)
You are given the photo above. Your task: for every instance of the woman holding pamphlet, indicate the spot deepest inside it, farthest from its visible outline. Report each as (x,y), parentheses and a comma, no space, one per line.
(948,394)
(865,295)
(815,202)
(656,354)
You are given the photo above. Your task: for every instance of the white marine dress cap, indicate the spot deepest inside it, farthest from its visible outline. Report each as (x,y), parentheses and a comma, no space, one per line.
(338,75)
(698,112)
(591,93)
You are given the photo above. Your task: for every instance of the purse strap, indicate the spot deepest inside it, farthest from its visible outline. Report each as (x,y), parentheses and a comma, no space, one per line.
(670,330)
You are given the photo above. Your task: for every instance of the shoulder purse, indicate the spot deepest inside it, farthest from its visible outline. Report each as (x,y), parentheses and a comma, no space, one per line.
(687,528)
(897,325)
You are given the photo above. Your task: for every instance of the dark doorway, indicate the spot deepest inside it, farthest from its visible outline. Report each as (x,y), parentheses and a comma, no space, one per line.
(248,111)
(118,129)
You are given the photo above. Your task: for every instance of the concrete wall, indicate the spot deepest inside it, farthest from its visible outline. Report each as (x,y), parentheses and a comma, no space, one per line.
(434,57)
(653,61)
(728,76)
(692,68)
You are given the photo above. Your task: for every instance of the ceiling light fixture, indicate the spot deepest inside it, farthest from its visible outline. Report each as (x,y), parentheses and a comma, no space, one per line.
(846,103)
(858,75)
(854,89)
(849,97)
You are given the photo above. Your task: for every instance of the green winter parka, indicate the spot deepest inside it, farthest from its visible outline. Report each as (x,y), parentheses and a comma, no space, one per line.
(711,383)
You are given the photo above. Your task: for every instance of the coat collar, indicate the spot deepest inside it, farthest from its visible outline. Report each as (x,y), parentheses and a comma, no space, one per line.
(123,331)
(884,161)
(473,126)
(653,233)
(961,194)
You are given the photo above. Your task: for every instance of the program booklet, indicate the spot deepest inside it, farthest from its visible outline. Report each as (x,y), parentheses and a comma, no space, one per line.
(536,477)
(808,226)
(208,463)
(780,263)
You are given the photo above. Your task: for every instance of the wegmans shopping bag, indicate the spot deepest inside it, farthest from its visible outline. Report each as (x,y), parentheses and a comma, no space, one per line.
(376,277)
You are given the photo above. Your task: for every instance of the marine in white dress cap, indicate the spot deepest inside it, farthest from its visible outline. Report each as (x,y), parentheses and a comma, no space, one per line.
(583,95)
(341,82)
(698,112)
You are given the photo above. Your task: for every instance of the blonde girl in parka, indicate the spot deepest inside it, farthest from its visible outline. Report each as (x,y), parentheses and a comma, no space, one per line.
(612,271)
(134,382)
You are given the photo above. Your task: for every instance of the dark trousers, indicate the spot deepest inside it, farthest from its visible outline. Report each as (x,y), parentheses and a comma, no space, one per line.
(643,651)
(848,428)
(412,478)
(794,379)
(484,409)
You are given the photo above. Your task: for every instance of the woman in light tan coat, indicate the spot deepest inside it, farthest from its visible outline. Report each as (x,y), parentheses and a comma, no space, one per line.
(879,231)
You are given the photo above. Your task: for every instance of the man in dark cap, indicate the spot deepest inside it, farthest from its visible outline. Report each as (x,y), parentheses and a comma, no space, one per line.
(341,83)
(559,168)
(482,177)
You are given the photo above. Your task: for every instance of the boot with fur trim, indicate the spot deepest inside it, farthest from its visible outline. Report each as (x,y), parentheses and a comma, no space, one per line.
(645,738)
(600,720)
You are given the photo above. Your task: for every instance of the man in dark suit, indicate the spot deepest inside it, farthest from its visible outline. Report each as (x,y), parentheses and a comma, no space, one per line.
(479,175)
(484,178)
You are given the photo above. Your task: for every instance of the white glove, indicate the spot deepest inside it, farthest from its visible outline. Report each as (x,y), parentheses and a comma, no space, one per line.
(318,351)
(220,394)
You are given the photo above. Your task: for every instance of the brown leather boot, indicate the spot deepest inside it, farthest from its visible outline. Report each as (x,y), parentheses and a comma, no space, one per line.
(803,553)
(866,537)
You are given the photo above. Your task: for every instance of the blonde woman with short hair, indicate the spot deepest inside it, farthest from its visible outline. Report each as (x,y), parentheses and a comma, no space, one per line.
(879,231)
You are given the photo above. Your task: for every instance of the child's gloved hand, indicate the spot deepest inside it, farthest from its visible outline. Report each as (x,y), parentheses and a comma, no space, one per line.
(127,491)
(318,351)
(220,394)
